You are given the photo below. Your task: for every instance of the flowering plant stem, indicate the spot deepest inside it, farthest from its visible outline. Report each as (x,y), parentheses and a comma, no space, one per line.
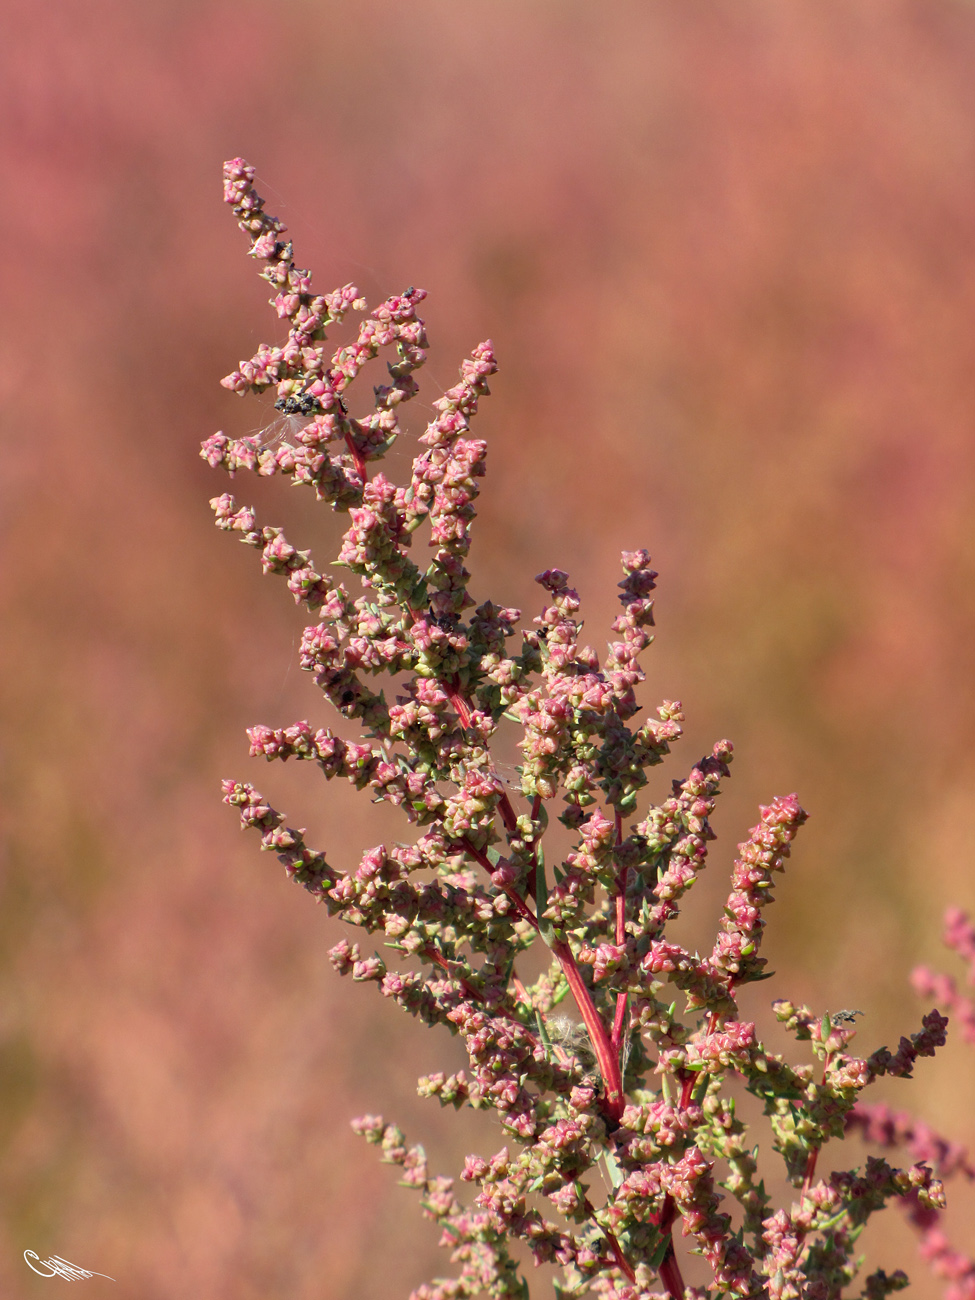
(634,1090)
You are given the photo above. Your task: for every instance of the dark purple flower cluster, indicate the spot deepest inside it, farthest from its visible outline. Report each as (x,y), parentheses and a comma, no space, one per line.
(884,1127)
(618,1120)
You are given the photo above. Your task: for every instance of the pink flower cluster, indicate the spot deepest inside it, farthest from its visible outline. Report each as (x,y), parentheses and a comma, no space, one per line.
(619,1120)
(959,935)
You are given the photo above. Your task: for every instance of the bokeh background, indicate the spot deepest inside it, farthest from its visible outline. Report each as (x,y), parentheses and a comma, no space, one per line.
(726,253)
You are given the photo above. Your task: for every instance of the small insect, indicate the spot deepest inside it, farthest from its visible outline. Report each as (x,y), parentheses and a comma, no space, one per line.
(446,622)
(293,416)
(845,1017)
(303,404)
(281,432)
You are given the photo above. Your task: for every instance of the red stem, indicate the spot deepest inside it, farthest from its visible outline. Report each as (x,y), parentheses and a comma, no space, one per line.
(360,460)
(619,1024)
(670,1275)
(619,1020)
(810,1173)
(669,1270)
(521,907)
(464,711)
(606,1057)
(813,1156)
(622,1263)
(461,706)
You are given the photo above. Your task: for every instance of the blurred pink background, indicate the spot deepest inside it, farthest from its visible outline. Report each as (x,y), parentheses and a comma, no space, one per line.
(726,253)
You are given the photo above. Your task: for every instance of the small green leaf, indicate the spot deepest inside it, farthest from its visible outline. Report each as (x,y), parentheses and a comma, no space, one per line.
(545,927)
(612,1168)
(541,884)
(700,1089)
(543,1033)
(656,1257)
